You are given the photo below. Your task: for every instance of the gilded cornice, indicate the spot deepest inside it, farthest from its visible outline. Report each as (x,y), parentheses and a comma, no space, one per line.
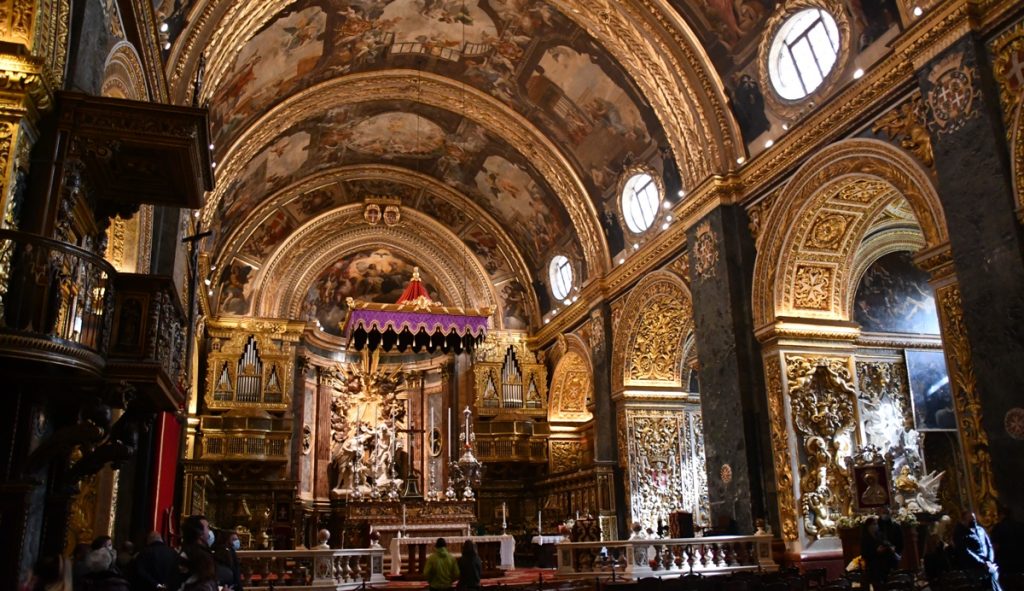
(792,331)
(278,328)
(23,88)
(281,285)
(427,183)
(897,341)
(438,92)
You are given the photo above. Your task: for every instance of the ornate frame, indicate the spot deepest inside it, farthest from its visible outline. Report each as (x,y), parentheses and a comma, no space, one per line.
(796,108)
(620,186)
(864,462)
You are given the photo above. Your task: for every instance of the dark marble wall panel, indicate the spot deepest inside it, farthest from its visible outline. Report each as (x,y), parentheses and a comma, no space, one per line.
(731,376)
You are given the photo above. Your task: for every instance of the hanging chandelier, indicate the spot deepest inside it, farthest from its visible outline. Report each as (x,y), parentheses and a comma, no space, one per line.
(415,322)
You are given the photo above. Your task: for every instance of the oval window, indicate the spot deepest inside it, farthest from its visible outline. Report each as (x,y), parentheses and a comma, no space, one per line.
(803,53)
(640,200)
(560,274)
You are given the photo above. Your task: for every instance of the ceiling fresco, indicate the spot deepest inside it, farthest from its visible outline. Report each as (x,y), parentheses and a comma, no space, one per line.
(372,275)
(521,51)
(430,141)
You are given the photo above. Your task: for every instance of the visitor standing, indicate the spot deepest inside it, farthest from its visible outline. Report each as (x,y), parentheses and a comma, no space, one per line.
(441,569)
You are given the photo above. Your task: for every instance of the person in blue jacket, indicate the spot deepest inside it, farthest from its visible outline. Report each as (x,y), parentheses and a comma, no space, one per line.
(975,548)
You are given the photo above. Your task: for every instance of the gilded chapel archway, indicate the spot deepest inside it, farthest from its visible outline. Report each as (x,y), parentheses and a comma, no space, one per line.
(660,432)
(854,204)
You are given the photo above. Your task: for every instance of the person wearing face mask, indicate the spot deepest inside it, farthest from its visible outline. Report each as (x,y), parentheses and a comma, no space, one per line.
(196,545)
(225,552)
(975,549)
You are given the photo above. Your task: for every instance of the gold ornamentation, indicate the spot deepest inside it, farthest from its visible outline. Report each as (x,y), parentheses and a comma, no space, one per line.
(123,74)
(795,109)
(681,267)
(968,405)
(82,514)
(705,250)
(17,18)
(571,389)
(596,330)
(508,377)
(813,287)
(860,178)
(828,231)
(648,342)
(250,364)
(565,455)
(952,93)
(780,447)
(907,125)
(1008,66)
(822,396)
(758,213)
(439,92)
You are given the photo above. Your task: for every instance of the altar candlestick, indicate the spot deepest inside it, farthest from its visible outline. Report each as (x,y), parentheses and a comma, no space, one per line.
(540,530)
(504,514)
(403,516)
(577,516)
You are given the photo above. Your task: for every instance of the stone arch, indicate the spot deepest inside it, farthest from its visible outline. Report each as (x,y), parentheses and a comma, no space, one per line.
(876,247)
(816,226)
(650,336)
(281,284)
(438,92)
(572,383)
(129,241)
(123,74)
(649,38)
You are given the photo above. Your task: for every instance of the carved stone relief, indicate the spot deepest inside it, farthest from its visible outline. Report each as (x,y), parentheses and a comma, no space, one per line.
(884,399)
(907,126)
(822,397)
(665,459)
(657,340)
(812,288)
(952,95)
(706,250)
(566,455)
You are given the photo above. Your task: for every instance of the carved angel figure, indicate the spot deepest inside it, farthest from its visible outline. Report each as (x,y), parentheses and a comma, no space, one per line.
(919,495)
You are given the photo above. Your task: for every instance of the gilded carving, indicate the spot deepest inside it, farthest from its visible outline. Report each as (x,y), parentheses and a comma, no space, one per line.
(705,250)
(648,343)
(571,389)
(822,398)
(1008,67)
(758,214)
(828,231)
(907,125)
(596,336)
(251,364)
(657,340)
(681,266)
(860,178)
(666,464)
(508,377)
(968,405)
(437,91)
(16,21)
(565,455)
(812,287)
(123,74)
(780,448)
(952,93)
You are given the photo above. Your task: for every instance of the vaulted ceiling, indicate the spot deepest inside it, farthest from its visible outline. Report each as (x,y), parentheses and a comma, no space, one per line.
(505,123)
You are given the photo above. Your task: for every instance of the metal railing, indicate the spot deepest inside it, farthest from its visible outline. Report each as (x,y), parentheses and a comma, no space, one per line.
(311,569)
(635,559)
(55,291)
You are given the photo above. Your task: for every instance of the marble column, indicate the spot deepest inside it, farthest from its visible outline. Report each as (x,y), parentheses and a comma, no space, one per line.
(740,482)
(976,190)
(606,451)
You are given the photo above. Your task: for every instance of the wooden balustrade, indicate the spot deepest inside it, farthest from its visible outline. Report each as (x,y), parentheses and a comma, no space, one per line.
(636,559)
(311,569)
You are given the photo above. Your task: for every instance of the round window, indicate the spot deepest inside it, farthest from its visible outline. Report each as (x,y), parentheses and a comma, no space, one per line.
(803,53)
(560,274)
(640,200)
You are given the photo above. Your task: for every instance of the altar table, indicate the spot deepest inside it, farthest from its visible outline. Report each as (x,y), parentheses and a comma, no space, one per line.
(418,549)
